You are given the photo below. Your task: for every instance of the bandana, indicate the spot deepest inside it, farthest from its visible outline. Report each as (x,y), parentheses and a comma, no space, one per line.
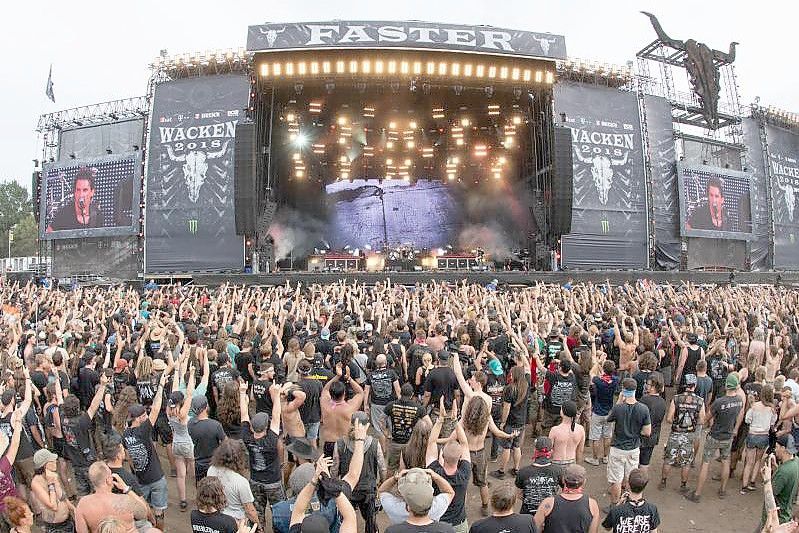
(543,452)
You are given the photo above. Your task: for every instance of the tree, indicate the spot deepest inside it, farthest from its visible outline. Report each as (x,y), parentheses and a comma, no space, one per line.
(14,204)
(26,235)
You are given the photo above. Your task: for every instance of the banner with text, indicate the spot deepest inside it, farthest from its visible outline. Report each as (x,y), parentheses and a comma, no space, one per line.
(115,258)
(609,201)
(189,218)
(783,161)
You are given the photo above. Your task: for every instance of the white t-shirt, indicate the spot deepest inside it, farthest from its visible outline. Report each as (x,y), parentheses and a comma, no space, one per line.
(794,388)
(237,490)
(394,506)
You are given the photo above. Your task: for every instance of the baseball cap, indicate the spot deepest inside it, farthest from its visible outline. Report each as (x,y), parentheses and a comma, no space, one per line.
(325,334)
(416,489)
(443,356)
(574,476)
(42,457)
(259,422)
(199,403)
(787,442)
(732,381)
(136,410)
(301,476)
(690,379)
(495,367)
(315,523)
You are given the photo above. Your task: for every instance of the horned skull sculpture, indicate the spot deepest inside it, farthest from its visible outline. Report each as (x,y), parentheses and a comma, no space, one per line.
(195,167)
(544,42)
(271,35)
(602,172)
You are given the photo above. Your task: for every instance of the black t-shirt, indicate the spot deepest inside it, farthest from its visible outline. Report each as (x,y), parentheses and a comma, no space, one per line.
(40,379)
(321,374)
(264,462)
(78,448)
(725,412)
(263,401)
(381,382)
(212,523)
(403,415)
(553,349)
(456,512)
(630,419)
(206,435)
(517,416)
(495,386)
(88,378)
(514,523)
(144,462)
(311,410)
(222,376)
(657,412)
(129,479)
(537,482)
(243,359)
(146,389)
(441,381)
(405,527)
(564,388)
(632,517)
(25,449)
(499,345)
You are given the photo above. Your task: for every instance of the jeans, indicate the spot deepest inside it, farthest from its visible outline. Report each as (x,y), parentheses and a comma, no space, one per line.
(155,494)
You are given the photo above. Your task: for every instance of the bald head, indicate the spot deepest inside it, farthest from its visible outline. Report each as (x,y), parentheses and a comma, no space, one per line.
(99,472)
(451,453)
(381,360)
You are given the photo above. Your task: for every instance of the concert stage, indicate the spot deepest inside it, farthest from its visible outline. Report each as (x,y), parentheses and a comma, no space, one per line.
(615,277)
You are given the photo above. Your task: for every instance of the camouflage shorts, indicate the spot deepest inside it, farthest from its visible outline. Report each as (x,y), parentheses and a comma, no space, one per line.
(679,450)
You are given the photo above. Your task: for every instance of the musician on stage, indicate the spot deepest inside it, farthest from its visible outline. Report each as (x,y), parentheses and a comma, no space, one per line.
(711,214)
(82,212)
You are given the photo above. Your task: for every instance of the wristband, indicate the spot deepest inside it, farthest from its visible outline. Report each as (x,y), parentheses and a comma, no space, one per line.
(359,440)
(127,489)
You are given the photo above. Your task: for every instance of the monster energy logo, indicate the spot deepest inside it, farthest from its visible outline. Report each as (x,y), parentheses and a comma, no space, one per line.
(192,225)
(605,226)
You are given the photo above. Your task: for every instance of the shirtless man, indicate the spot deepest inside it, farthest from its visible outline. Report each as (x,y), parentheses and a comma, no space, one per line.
(476,421)
(773,358)
(291,399)
(336,409)
(757,347)
(568,438)
(627,343)
(93,508)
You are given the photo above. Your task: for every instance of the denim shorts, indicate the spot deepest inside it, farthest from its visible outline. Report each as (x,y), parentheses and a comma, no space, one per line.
(156,495)
(312,430)
(757,441)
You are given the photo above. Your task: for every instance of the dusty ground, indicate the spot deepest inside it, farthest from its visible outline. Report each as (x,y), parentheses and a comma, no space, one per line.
(736,513)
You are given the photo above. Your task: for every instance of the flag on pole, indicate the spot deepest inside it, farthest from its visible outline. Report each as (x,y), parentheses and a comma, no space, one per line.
(49,90)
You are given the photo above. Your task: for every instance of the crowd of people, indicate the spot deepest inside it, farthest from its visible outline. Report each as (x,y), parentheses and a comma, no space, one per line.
(293,408)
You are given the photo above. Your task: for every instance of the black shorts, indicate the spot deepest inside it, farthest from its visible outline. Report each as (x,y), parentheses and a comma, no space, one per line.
(161,430)
(645,456)
(58,446)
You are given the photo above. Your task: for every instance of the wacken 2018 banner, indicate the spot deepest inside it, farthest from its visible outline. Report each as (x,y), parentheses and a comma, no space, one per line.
(609,201)
(189,220)
(384,34)
(783,155)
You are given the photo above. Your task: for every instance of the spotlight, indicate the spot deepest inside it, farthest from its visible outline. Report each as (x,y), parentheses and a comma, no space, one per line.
(300,140)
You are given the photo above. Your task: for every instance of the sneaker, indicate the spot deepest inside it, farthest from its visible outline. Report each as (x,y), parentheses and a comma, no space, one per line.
(173,473)
(593,461)
(604,460)
(683,489)
(693,497)
(484,510)
(499,474)
(662,485)
(514,472)
(183,506)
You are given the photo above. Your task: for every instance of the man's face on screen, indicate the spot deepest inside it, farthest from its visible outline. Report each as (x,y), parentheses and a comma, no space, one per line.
(83,191)
(715,200)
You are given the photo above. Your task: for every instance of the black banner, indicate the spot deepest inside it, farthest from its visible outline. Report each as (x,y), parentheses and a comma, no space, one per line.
(783,161)
(189,220)
(114,258)
(90,197)
(407,35)
(121,137)
(662,156)
(609,200)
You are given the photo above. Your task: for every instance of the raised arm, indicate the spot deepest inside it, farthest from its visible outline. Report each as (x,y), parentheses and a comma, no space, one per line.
(356,463)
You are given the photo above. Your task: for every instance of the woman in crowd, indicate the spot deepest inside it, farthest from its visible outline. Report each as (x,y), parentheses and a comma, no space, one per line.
(229,465)
(48,495)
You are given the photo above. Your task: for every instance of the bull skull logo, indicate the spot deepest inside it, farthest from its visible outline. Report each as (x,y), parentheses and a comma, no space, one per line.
(271,35)
(544,42)
(602,171)
(195,167)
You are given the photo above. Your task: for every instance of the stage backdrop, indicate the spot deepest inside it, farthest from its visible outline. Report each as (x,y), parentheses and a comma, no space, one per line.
(112,257)
(783,161)
(609,205)
(759,245)
(189,218)
(95,141)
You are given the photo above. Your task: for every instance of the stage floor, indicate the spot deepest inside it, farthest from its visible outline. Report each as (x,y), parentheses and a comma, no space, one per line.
(615,277)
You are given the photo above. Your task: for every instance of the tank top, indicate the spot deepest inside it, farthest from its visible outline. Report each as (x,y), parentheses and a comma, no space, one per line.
(691,360)
(569,516)
(686,414)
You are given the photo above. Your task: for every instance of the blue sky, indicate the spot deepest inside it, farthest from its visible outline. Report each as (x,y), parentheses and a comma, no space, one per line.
(101,50)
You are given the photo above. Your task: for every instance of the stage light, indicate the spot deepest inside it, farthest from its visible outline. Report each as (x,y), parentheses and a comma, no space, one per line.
(295,156)
(550,78)
(427,152)
(300,139)
(276,69)
(392,125)
(345,175)
(390,145)
(528,74)
(366,66)
(508,141)
(492,71)
(442,69)
(264,69)
(467,70)
(353,67)
(301,68)
(480,150)
(413,124)
(456,69)
(289,69)
(539,76)
(407,162)
(497,175)
(450,176)
(342,140)
(342,120)
(503,73)
(502,160)
(479,71)
(517,119)
(299,173)
(465,122)
(290,117)
(343,159)
(405,67)
(514,74)
(378,67)
(410,145)
(459,142)
(417,67)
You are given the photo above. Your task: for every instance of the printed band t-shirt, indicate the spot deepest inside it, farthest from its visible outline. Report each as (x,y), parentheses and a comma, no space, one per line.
(144,462)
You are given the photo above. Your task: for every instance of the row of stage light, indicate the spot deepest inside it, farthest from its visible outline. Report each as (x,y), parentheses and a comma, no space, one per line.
(400,150)
(378,67)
